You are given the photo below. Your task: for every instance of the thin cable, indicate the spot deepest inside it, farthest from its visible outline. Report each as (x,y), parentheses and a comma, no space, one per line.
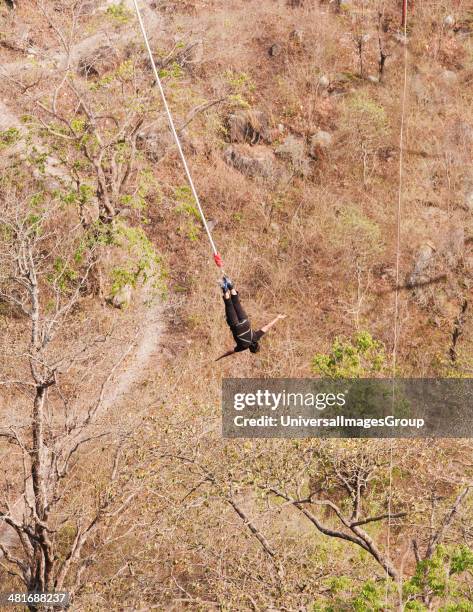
(398,260)
(399,206)
(173,128)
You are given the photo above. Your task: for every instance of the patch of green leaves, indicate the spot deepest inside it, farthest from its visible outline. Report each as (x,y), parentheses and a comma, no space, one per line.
(359,357)
(9,137)
(143,262)
(63,275)
(174,71)
(78,125)
(344,595)
(119,13)
(186,207)
(122,277)
(242,88)
(441,576)
(185,202)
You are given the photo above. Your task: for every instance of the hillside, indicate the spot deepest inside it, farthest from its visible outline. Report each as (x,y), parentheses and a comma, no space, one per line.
(116,483)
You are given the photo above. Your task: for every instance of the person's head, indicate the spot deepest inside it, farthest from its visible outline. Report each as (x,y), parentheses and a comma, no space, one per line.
(254,347)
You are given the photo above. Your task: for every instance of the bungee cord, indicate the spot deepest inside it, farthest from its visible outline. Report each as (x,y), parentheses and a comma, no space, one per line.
(216,255)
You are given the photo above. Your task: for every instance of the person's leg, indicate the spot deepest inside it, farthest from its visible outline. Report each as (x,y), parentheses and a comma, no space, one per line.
(230,312)
(241,314)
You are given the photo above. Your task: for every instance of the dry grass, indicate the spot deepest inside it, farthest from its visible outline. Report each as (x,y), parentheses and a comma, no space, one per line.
(320,248)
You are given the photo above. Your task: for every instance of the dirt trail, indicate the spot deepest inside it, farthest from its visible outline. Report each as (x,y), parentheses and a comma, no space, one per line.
(147,345)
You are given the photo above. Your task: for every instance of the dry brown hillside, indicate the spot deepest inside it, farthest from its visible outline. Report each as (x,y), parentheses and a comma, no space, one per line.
(116,484)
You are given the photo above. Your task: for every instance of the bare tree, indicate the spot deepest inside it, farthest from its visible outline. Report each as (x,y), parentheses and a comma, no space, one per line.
(351,474)
(383,54)
(338,491)
(43,274)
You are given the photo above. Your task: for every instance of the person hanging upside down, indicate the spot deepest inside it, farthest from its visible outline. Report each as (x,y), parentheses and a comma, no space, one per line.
(237,319)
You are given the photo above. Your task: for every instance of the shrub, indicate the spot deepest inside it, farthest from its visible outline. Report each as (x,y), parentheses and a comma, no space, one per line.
(9,137)
(242,88)
(366,123)
(186,207)
(357,358)
(119,13)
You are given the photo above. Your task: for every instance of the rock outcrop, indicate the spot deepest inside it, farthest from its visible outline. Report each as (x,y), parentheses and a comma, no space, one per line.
(251,126)
(122,299)
(432,279)
(97,61)
(293,150)
(319,141)
(254,162)
(155,139)
(275,49)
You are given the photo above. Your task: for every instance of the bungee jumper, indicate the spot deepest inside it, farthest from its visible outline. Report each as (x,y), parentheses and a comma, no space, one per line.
(238,322)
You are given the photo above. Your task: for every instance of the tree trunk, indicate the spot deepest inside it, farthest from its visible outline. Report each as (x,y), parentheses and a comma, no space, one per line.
(43,559)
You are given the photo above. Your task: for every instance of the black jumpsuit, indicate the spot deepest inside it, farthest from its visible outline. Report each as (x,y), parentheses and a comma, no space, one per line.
(239,324)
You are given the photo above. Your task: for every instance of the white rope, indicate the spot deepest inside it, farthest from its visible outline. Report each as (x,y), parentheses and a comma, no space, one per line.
(396,299)
(173,128)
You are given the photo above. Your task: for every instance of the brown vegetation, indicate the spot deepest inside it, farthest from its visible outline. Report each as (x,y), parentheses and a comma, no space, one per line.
(290,114)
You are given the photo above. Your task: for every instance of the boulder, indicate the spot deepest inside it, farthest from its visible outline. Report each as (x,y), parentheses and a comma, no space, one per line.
(8,120)
(449,21)
(420,275)
(293,150)
(449,77)
(48,168)
(155,140)
(126,213)
(297,36)
(19,40)
(96,62)
(462,134)
(422,261)
(250,126)
(323,81)
(320,140)
(400,38)
(52,171)
(420,89)
(122,298)
(89,7)
(434,279)
(275,50)
(251,161)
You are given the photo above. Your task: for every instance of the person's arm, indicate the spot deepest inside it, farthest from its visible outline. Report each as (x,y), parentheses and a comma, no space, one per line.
(268,326)
(227,354)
